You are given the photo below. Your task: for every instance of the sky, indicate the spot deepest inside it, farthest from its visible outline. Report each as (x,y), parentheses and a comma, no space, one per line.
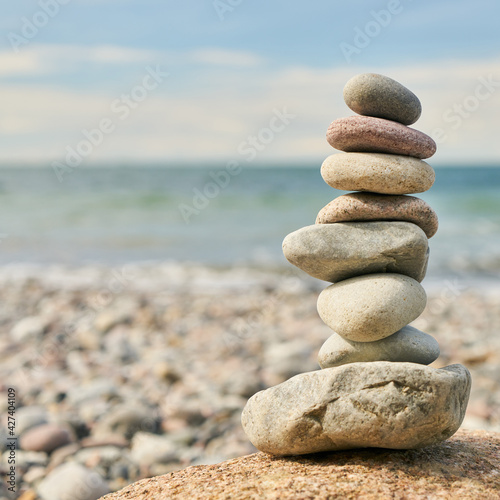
(201,81)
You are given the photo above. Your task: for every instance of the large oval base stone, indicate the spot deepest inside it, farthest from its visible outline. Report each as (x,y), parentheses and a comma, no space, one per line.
(370,404)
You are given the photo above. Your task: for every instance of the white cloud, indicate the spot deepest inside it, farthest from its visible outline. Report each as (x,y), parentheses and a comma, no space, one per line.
(203,124)
(12,64)
(224,57)
(46,59)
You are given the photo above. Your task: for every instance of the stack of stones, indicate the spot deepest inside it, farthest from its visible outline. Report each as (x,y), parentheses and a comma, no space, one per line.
(375,388)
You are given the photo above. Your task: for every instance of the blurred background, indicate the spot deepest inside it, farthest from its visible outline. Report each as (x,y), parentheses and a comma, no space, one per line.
(153,156)
(114,114)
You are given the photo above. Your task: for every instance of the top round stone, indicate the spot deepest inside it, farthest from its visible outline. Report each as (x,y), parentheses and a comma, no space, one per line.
(379,96)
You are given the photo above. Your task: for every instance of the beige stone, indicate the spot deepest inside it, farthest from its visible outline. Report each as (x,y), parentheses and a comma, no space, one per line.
(378,404)
(335,252)
(354,207)
(464,467)
(371,307)
(406,345)
(377,173)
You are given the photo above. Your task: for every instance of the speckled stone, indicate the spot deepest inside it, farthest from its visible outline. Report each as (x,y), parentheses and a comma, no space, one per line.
(376,95)
(377,173)
(407,345)
(378,404)
(466,466)
(371,207)
(376,135)
(371,307)
(335,252)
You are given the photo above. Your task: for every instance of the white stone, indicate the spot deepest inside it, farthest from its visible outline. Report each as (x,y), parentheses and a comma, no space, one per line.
(72,481)
(371,307)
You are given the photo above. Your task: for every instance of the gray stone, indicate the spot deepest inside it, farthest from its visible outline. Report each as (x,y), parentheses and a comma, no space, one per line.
(102,455)
(72,481)
(371,94)
(34,474)
(286,359)
(126,421)
(148,449)
(94,390)
(406,345)
(371,307)
(335,252)
(378,404)
(30,416)
(377,173)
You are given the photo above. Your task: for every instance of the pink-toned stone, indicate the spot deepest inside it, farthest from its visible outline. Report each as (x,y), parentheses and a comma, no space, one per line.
(363,207)
(377,135)
(46,437)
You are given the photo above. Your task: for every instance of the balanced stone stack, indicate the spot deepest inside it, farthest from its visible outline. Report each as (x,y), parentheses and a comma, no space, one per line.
(375,388)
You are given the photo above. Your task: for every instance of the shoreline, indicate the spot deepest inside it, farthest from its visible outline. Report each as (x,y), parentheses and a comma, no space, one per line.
(150,366)
(151,276)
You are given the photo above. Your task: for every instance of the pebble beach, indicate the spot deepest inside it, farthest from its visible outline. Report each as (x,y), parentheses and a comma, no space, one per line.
(122,373)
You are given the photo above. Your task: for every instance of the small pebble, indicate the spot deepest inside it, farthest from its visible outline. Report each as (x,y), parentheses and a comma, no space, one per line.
(46,437)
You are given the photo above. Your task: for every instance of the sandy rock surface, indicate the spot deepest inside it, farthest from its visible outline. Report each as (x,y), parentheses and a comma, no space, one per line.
(464,467)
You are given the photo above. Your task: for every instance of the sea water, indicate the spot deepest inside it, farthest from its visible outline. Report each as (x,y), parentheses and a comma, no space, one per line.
(117,215)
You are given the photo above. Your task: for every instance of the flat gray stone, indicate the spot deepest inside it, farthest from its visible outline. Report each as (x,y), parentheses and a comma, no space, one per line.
(335,252)
(376,95)
(377,173)
(406,345)
(371,307)
(379,404)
